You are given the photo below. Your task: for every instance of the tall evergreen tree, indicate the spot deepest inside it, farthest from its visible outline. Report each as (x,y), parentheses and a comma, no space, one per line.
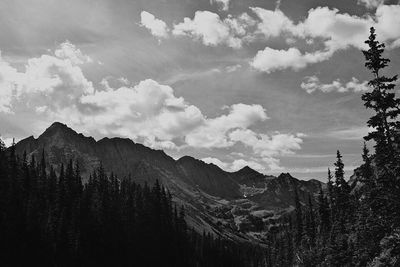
(383,101)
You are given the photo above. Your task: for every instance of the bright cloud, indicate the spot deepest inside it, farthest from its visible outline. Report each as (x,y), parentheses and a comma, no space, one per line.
(54,87)
(157,27)
(52,81)
(69,51)
(212,31)
(312,84)
(277,144)
(273,22)
(148,110)
(214,132)
(269,60)
(335,30)
(267,148)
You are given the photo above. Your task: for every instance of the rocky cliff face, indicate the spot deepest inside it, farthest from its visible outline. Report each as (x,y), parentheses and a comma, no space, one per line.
(216,200)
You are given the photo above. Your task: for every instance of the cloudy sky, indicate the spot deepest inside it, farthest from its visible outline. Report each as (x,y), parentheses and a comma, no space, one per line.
(275,85)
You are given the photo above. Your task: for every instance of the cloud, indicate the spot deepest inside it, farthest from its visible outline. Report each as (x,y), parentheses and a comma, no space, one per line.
(148,110)
(157,27)
(333,30)
(212,31)
(370,3)
(270,60)
(54,88)
(214,132)
(388,24)
(223,4)
(273,22)
(312,83)
(53,81)
(268,148)
(232,68)
(352,133)
(69,51)
(264,145)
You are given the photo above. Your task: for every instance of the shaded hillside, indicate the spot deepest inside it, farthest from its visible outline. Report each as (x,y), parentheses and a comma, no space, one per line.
(125,158)
(202,175)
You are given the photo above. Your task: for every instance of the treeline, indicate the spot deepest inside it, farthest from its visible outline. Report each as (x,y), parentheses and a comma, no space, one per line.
(355,224)
(49,219)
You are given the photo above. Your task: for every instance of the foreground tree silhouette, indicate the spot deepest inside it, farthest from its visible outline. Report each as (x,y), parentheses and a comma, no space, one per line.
(379,209)
(383,101)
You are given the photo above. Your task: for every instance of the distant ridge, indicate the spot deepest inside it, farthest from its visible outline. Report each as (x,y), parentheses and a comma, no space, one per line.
(126,158)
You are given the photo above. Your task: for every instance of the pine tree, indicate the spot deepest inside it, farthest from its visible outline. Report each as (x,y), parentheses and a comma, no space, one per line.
(323,213)
(383,101)
(341,189)
(299,217)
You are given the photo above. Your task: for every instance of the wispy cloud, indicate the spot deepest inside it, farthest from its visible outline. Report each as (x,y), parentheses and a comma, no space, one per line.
(353,133)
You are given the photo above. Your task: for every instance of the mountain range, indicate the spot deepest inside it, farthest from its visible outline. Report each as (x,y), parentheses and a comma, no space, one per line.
(217,201)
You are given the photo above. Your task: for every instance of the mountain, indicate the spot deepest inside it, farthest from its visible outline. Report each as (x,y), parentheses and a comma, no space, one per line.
(216,201)
(203,176)
(279,192)
(249,177)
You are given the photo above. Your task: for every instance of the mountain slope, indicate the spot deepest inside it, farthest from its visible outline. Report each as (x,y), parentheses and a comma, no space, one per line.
(202,175)
(215,200)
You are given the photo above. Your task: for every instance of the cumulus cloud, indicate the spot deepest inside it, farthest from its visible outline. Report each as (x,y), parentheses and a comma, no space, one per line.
(334,30)
(54,87)
(388,24)
(214,132)
(273,22)
(277,144)
(212,30)
(148,110)
(266,148)
(222,4)
(312,83)
(270,60)
(52,81)
(69,51)
(157,27)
